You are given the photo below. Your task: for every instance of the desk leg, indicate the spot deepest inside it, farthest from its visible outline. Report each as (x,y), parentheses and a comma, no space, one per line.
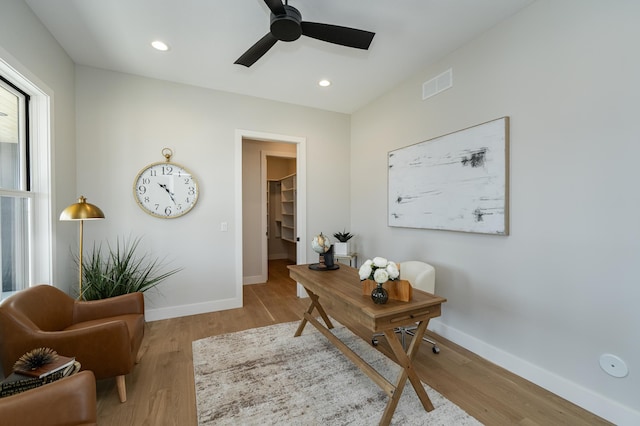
(404,359)
(314,305)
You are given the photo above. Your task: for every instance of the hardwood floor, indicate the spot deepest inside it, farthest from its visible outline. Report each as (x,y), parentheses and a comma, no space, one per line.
(160,390)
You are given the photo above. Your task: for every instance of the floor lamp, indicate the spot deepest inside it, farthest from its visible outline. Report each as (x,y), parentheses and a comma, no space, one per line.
(81,211)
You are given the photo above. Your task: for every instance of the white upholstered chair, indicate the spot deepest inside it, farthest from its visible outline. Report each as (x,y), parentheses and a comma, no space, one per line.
(422,276)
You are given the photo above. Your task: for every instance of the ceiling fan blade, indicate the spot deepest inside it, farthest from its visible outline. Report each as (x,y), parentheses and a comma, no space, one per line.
(344,36)
(256,51)
(276,6)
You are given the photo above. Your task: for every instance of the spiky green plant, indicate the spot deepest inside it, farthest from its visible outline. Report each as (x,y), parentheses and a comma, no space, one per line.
(120,271)
(343,236)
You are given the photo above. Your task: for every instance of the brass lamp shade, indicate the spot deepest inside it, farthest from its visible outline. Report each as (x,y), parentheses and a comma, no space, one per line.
(81,211)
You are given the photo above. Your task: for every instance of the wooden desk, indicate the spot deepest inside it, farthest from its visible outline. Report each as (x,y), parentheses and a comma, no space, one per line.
(341,291)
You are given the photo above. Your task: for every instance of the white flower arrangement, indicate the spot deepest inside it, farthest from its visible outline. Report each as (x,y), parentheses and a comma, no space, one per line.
(379,270)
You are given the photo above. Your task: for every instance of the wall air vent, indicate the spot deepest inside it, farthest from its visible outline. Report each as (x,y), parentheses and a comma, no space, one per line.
(437,84)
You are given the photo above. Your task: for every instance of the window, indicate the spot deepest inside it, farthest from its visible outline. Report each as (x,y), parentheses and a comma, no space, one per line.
(15,197)
(26,236)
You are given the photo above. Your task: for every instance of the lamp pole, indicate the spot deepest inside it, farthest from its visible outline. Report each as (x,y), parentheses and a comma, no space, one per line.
(80,260)
(81,211)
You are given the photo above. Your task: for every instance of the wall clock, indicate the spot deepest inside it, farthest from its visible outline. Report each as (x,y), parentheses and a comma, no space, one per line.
(165,189)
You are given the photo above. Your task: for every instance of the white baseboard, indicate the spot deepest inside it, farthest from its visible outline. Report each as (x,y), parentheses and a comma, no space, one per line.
(599,405)
(256,279)
(192,309)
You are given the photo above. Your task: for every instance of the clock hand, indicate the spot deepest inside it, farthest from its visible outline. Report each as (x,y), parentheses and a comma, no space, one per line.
(163,186)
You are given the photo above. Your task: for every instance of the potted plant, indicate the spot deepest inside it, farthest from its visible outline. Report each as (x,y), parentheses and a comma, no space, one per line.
(120,271)
(342,247)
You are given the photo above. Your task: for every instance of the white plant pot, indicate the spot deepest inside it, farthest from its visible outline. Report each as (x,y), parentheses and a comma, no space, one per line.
(340,249)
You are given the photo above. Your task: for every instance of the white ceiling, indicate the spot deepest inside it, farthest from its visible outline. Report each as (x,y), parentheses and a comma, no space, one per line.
(207,36)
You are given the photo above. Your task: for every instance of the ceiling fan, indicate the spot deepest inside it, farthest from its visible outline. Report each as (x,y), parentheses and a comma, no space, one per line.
(287,25)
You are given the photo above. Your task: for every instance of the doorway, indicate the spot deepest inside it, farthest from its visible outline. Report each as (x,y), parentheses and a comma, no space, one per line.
(252,239)
(279,183)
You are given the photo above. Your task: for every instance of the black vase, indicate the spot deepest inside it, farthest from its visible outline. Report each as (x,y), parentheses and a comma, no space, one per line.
(328,258)
(379,295)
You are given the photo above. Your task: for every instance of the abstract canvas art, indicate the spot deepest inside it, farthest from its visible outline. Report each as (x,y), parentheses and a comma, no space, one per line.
(456,182)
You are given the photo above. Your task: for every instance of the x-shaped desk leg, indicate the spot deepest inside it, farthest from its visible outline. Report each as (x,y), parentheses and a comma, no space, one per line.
(404,359)
(314,305)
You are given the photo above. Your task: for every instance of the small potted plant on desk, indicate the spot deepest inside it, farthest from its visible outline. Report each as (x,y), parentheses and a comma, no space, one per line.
(341,248)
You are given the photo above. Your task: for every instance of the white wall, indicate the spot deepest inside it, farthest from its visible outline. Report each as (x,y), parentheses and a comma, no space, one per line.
(124,121)
(27,47)
(562,289)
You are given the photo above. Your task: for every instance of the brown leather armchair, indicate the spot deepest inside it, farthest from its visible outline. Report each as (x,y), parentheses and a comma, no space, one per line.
(103,335)
(68,401)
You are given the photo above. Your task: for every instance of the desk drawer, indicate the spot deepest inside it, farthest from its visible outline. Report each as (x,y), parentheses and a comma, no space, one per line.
(407,318)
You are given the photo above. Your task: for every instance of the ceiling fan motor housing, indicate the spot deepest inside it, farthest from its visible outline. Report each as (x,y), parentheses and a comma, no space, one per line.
(287,27)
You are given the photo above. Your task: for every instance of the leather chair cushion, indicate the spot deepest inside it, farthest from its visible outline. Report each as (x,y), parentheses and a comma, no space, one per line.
(134,322)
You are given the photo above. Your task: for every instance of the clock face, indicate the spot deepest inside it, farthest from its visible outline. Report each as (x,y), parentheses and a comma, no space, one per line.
(165,190)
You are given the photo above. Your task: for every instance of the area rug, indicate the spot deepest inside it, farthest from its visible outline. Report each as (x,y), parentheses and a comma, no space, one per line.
(265,376)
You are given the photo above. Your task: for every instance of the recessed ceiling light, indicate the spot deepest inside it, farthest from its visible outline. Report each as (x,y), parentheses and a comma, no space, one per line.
(157,44)
(324,83)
